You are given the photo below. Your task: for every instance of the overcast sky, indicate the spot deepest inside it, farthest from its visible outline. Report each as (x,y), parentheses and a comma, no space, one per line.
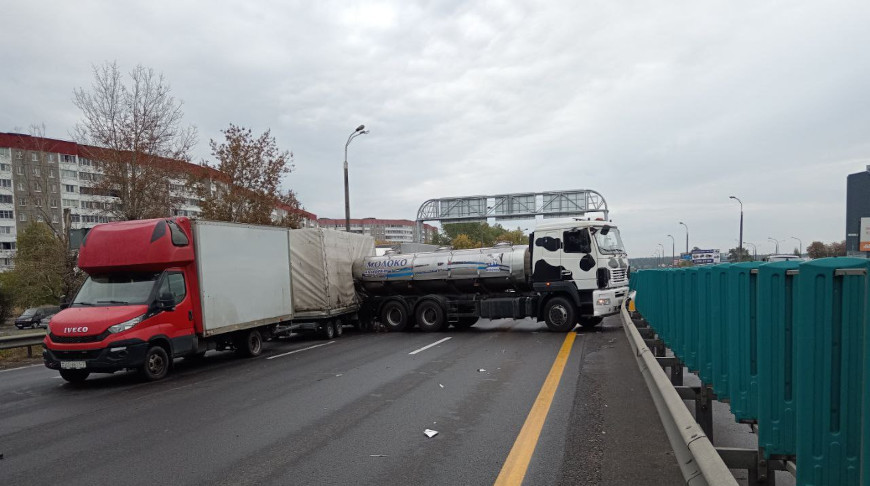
(665,108)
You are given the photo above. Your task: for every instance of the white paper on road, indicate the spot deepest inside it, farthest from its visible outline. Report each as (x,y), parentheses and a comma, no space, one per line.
(430,433)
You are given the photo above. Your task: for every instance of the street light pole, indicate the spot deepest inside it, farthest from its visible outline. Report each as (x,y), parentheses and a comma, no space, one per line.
(800,245)
(663,252)
(754,251)
(687,236)
(360,130)
(673,250)
(775,241)
(740,248)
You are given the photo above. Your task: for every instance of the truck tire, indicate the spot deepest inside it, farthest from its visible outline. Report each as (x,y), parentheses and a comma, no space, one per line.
(74,376)
(339,327)
(465,322)
(559,314)
(156,364)
(328,331)
(431,316)
(249,343)
(590,322)
(394,315)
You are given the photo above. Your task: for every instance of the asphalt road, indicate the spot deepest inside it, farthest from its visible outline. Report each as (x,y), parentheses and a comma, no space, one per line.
(348,411)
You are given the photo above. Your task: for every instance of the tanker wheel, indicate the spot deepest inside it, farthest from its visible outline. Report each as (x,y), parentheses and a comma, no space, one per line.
(431,316)
(465,322)
(339,327)
(394,315)
(559,314)
(590,322)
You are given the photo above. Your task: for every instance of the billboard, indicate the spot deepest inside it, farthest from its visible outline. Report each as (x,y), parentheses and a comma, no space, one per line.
(562,204)
(514,205)
(706,257)
(463,208)
(864,237)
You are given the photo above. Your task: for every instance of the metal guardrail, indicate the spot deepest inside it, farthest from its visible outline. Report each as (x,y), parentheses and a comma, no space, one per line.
(21,341)
(699,461)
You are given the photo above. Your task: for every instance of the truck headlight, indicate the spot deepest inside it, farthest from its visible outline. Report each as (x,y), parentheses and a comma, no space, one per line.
(603,301)
(126,324)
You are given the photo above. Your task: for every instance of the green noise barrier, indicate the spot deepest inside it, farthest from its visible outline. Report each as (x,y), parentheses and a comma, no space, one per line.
(786,344)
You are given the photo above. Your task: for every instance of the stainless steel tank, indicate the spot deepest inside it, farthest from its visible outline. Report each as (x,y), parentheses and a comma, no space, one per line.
(480,270)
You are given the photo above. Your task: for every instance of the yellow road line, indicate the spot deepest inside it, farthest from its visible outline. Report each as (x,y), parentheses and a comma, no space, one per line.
(514,470)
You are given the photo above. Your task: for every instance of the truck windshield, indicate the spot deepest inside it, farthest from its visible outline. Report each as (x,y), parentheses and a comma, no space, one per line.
(610,243)
(116,289)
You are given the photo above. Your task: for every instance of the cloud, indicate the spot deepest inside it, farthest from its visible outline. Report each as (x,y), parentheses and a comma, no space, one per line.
(666,109)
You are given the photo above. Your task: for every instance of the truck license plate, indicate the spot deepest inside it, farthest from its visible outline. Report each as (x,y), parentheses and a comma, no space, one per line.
(73,365)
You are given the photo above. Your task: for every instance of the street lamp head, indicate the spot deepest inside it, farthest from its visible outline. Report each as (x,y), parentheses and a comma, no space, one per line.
(731,197)
(360,128)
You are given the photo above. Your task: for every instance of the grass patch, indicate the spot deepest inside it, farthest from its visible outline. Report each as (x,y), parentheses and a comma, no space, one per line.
(11,358)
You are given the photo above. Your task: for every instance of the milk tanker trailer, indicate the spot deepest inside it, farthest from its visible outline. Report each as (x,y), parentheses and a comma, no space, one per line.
(569,273)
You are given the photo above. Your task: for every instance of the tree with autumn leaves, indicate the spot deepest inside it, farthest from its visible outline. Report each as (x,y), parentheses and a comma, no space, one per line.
(245,186)
(132,131)
(479,235)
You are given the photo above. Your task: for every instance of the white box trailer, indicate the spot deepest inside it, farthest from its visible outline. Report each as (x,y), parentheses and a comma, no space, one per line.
(252,276)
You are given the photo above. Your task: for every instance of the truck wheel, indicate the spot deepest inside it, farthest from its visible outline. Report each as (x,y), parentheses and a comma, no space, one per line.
(559,315)
(465,322)
(394,315)
(430,316)
(156,364)
(74,376)
(249,343)
(590,322)
(339,328)
(328,331)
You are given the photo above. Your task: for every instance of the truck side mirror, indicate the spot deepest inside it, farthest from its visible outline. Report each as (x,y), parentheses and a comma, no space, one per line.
(166,301)
(605,229)
(64,302)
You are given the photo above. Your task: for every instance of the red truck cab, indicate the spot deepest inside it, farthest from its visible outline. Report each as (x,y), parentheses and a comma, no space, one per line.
(139,307)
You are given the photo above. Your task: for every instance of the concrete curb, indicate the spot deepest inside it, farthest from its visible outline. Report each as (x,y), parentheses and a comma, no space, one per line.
(698,459)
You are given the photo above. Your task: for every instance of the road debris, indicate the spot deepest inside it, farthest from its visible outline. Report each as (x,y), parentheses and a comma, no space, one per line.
(377,455)
(481,370)
(430,433)
(439,384)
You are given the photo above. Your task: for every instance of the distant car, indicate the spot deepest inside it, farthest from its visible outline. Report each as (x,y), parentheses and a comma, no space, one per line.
(45,320)
(33,317)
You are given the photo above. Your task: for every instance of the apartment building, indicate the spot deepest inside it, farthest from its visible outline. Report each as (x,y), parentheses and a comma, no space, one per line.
(40,177)
(383,230)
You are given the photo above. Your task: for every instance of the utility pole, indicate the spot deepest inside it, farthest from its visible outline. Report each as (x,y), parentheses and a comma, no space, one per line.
(687,236)
(360,130)
(740,247)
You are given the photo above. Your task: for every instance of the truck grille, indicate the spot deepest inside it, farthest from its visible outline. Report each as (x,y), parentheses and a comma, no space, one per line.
(617,276)
(76,355)
(78,339)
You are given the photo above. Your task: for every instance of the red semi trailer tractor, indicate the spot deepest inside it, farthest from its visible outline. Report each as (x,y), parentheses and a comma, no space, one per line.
(165,288)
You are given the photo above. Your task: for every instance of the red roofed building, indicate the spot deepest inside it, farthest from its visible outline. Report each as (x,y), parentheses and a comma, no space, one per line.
(41,177)
(388,230)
